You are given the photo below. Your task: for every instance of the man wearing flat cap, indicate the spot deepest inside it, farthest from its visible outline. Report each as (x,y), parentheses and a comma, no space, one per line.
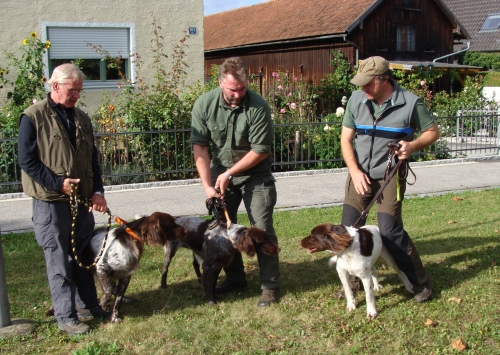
(380,113)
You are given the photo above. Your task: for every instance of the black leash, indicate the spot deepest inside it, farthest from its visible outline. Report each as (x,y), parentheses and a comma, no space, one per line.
(74,201)
(387,178)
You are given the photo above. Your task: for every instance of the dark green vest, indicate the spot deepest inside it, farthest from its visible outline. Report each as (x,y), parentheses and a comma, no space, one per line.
(57,153)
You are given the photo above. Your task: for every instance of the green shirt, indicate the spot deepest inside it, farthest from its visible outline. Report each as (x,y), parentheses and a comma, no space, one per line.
(233,132)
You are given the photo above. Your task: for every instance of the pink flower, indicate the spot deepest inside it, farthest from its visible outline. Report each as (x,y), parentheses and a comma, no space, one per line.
(296,78)
(280,87)
(282,110)
(422,83)
(293,105)
(274,74)
(289,94)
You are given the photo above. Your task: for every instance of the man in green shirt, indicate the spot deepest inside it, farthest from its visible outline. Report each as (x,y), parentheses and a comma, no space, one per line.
(236,122)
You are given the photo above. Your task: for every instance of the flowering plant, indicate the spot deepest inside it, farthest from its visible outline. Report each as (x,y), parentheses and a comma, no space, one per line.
(28,85)
(291,97)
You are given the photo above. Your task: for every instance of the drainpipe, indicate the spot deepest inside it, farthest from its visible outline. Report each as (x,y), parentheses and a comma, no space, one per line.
(357,51)
(452,54)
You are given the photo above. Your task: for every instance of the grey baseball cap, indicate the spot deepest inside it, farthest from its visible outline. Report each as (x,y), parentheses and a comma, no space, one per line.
(370,68)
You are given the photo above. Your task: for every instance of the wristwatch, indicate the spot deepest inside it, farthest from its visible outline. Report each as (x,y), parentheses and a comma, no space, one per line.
(101,193)
(227,175)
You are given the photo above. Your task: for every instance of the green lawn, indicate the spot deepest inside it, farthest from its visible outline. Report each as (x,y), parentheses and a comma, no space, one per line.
(457,237)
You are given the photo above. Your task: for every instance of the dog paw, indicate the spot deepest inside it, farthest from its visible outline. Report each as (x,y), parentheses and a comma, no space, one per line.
(377,287)
(351,307)
(371,314)
(116,319)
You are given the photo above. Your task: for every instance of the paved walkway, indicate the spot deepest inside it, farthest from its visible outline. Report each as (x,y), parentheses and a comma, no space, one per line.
(295,190)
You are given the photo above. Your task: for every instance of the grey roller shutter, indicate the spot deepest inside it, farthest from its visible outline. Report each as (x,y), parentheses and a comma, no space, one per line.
(71,42)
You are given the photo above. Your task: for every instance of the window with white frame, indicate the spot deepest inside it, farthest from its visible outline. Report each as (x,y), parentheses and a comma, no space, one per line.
(406,40)
(74,42)
(492,23)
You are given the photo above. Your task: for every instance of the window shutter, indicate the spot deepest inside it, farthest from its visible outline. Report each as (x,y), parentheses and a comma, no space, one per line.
(71,42)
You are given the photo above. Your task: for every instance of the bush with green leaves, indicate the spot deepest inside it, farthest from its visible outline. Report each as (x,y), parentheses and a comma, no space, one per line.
(337,84)
(486,60)
(163,105)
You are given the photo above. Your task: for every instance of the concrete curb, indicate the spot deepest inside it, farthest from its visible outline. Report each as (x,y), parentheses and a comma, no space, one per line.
(148,185)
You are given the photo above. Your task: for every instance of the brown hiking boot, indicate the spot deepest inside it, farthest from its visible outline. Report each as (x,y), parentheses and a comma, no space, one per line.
(269,295)
(422,292)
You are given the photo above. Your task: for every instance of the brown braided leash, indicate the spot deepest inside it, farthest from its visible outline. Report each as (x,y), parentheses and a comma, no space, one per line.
(215,206)
(74,201)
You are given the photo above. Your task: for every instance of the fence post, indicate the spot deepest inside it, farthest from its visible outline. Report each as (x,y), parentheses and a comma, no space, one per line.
(4,300)
(9,328)
(459,137)
(298,144)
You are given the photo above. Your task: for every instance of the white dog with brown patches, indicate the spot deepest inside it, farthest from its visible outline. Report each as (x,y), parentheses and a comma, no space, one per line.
(356,252)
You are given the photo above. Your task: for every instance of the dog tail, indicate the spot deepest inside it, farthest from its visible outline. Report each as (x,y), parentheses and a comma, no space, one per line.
(332,261)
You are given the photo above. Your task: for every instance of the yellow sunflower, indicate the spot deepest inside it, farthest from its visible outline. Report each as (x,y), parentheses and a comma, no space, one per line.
(33,34)
(25,41)
(47,45)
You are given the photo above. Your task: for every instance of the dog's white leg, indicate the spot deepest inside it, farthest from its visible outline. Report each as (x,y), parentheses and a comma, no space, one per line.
(389,260)
(371,311)
(349,295)
(376,285)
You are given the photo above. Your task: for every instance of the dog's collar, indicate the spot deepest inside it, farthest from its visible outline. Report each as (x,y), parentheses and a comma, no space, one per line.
(123,224)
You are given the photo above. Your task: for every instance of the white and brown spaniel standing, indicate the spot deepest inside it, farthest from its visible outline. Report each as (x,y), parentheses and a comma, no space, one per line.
(355,252)
(123,251)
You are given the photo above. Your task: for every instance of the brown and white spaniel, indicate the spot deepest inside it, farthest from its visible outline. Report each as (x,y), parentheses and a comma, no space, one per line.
(355,252)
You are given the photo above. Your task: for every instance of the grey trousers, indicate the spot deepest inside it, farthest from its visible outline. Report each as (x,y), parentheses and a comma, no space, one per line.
(259,196)
(69,283)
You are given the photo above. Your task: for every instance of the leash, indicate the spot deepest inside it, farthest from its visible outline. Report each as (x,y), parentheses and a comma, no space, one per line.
(388,175)
(123,225)
(215,207)
(74,201)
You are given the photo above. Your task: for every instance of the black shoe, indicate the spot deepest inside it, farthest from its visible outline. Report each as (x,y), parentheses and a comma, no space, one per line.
(230,286)
(94,312)
(423,292)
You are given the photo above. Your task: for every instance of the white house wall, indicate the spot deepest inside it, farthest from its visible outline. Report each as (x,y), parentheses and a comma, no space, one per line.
(175,17)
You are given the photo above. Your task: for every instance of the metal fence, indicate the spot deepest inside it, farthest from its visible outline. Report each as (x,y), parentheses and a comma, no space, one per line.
(159,155)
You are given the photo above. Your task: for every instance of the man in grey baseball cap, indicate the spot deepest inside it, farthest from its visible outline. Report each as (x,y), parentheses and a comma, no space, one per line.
(382,112)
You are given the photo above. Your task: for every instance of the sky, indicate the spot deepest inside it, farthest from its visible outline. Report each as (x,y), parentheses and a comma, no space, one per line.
(211,7)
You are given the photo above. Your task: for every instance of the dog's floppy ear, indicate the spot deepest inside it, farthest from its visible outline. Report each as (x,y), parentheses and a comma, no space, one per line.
(246,242)
(340,237)
(157,228)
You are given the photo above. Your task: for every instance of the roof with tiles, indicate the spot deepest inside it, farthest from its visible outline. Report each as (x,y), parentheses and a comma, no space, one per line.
(281,20)
(472,15)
